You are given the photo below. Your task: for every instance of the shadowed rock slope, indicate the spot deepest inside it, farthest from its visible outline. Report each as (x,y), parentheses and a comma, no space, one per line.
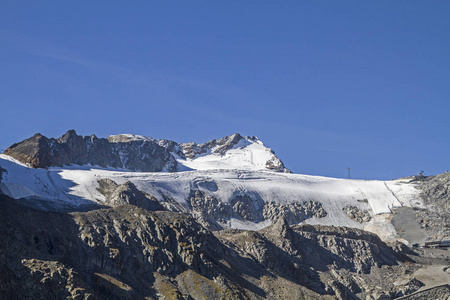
(127,252)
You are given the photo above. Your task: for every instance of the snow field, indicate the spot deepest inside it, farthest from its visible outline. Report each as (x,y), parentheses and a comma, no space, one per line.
(77,185)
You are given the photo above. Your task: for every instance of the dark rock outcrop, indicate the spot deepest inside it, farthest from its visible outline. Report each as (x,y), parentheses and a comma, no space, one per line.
(126,193)
(294,213)
(2,171)
(220,146)
(136,155)
(250,208)
(354,213)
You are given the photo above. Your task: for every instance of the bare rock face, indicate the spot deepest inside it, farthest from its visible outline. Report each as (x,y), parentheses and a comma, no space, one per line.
(221,146)
(275,164)
(41,152)
(438,292)
(293,213)
(209,207)
(436,190)
(409,287)
(356,214)
(434,217)
(171,146)
(34,151)
(250,208)
(51,278)
(247,208)
(126,193)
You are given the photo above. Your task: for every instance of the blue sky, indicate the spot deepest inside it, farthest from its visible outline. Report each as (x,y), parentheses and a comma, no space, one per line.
(326,84)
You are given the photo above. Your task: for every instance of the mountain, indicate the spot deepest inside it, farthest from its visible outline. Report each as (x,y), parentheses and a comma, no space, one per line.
(42,152)
(130,216)
(145,154)
(232,182)
(230,152)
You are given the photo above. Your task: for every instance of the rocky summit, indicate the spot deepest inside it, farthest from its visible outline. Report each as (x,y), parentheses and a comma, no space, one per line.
(41,152)
(133,217)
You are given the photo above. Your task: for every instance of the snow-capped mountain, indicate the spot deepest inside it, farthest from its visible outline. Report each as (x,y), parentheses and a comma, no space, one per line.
(230,152)
(234,182)
(230,182)
(140,153)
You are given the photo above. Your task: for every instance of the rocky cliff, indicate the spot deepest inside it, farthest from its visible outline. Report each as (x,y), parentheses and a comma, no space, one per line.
(42,152)
(141,153)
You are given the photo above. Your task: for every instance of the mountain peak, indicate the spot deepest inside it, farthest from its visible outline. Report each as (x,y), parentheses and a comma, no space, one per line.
(231,152)
(142,153)
(42,152)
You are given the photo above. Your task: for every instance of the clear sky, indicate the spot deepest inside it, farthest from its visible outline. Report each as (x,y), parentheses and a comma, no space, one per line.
(326,84)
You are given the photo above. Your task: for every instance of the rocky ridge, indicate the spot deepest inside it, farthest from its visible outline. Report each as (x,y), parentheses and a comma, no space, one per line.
(191,150)
(126,193)
(42,152)
(125,151)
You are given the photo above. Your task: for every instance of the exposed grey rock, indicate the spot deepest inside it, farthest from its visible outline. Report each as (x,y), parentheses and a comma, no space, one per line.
(409,287)
(434,217)
(248,208)
(294,213)
(192,150)
(436,190)
(52,279)
(275,164)
(356,214)
(171,146)
(209,207)
(441,292)
(41,152)
(126,193)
